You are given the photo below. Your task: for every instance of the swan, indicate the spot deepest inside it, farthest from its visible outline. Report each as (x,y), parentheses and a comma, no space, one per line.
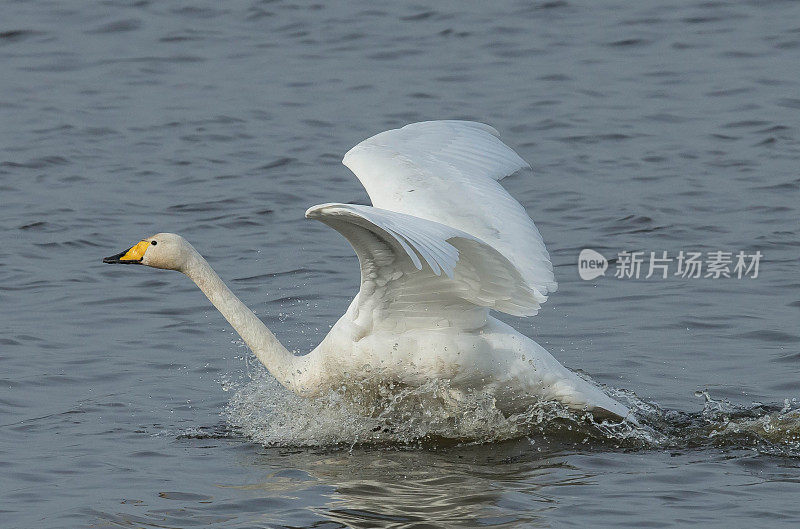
(442,246)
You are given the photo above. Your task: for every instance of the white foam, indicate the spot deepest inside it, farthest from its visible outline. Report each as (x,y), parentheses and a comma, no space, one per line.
(267,413)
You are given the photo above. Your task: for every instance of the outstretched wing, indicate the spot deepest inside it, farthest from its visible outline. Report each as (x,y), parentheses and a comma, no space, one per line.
(416,270)
(448,172)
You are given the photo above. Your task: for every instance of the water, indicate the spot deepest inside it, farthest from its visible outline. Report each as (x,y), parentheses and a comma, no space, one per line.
(125,400)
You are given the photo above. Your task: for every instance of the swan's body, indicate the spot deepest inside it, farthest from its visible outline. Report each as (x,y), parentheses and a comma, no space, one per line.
(443,244)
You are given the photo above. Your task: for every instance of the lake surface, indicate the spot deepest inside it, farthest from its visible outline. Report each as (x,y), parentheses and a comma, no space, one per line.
(127,401)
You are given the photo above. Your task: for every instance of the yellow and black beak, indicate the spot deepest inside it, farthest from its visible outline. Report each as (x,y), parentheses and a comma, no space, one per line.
(132,255)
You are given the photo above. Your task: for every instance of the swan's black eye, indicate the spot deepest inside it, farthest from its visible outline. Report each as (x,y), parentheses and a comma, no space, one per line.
(153,242)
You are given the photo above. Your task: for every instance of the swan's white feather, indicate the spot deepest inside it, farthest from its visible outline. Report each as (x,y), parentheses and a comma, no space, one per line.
(412,264)
(448,172)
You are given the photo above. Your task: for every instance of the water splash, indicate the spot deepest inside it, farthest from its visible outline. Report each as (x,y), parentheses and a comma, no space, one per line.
(413,416)
(767,429)
(429,416)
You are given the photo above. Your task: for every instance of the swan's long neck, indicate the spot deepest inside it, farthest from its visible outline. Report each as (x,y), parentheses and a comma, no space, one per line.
(277,359)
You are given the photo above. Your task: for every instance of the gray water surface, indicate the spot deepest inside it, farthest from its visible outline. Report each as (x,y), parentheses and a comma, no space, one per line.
(650,126)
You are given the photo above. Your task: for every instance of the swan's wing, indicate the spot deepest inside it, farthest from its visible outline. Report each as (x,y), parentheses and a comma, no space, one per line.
(448,172)
(414,269)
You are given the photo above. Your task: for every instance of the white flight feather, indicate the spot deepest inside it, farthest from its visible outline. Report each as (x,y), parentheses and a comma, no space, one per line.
(448,172)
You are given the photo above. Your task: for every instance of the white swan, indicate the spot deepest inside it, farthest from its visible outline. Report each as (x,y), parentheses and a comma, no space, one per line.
(442,245)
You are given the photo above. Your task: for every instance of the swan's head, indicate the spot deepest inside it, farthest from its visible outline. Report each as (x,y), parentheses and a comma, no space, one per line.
(163,250)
